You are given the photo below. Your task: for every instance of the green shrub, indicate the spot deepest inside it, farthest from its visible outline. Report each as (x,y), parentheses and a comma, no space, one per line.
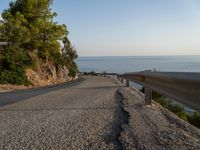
(58,59)
(12,77)
(72,72)
(177,109)
(182,115)
(163,101)
(13,62)
(194,119)
(73,69)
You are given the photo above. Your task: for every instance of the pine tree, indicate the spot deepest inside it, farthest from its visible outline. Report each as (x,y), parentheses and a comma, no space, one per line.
(29,26)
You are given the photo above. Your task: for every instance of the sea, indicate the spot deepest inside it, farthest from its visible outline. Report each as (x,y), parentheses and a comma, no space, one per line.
(125,64)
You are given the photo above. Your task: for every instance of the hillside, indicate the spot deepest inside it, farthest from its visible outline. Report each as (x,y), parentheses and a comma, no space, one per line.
(38,50)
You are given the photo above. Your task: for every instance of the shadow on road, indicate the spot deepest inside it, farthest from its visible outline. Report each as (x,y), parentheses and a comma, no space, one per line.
(20,95)
(60,109)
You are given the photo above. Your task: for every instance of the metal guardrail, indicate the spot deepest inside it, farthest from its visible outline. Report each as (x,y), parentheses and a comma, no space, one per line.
(183,87)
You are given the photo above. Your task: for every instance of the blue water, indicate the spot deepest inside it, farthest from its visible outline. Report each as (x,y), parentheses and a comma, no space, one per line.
(139,63)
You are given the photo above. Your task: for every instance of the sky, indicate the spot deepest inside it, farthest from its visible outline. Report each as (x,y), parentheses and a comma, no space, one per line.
(130,27)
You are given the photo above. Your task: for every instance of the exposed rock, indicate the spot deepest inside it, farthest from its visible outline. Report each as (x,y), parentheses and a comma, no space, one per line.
(48,75)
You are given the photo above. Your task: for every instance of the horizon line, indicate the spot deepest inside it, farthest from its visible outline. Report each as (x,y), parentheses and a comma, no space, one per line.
(136,55)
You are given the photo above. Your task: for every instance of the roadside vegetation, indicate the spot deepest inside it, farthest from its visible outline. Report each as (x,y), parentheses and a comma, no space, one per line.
(192,117)
(33,38)
(90,73)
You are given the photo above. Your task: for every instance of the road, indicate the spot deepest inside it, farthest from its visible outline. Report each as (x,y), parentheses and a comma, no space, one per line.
(92,113)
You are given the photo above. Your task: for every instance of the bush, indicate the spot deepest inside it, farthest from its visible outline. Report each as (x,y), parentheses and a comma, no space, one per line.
(194,119)
(72,72)
(13,77)
(179,110)
(58,59)
(13,62)
(163,101)
(73,69)
(173,107)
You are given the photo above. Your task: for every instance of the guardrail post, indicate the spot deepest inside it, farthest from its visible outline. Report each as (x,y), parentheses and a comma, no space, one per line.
(148,96)
(127,83)
(121,80)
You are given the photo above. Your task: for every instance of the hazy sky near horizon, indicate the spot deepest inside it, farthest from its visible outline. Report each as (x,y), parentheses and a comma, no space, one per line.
(130,27)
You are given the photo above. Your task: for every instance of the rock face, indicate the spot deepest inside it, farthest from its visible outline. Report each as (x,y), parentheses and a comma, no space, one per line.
(48,75)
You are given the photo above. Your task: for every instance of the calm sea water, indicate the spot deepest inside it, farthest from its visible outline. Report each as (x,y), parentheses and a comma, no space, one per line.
(139,63)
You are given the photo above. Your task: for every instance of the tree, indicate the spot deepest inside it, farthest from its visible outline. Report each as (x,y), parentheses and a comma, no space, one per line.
(29,26)
(69,54)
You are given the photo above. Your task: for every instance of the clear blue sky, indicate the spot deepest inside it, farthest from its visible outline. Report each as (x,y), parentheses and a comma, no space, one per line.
(130,27)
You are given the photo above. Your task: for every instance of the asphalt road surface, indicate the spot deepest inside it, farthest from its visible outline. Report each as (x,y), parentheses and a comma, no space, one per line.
(90,114)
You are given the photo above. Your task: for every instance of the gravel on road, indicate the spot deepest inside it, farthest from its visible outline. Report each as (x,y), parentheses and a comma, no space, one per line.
(95,113)
(84,116)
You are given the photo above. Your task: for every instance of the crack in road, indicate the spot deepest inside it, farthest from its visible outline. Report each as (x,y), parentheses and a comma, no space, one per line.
(121,118)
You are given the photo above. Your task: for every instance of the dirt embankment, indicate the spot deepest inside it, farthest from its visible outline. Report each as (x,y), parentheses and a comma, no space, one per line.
(154,127)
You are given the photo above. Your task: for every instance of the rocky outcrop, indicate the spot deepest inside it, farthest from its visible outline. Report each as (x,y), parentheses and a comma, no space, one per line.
(48,75)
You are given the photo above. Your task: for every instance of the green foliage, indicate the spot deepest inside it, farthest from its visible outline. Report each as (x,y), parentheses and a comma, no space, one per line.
(13,62)
(69,53)
(14,29)
(178,109)
(29,26)
(163,101)
(93,73)
(14,58)
(58,59)
(73,70)
(194,119)
(14,77)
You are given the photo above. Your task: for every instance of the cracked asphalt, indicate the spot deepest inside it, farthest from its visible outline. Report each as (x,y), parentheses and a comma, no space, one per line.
(90,114)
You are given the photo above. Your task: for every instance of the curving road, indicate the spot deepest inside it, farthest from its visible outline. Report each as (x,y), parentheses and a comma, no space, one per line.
(80,115)
(92,113)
